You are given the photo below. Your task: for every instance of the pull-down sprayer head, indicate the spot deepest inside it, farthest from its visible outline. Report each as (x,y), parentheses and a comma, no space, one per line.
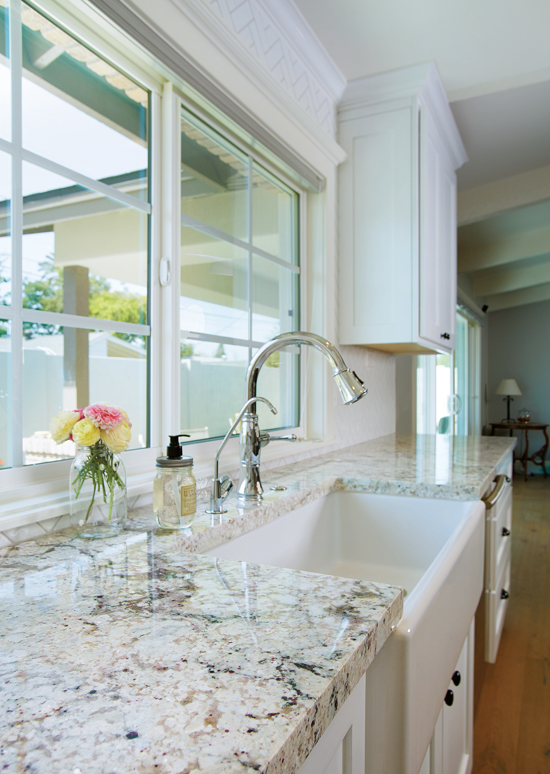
(350,385)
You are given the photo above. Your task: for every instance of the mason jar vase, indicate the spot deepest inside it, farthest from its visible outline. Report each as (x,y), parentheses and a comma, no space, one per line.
(97,488)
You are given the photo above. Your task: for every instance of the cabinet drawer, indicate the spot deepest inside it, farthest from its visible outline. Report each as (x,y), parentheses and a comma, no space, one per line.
(496,604)
(497,537)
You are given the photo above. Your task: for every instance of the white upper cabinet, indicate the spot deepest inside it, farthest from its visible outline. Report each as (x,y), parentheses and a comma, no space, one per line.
(397,212)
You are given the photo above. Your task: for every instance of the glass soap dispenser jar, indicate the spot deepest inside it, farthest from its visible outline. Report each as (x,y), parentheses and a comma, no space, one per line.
(174,488)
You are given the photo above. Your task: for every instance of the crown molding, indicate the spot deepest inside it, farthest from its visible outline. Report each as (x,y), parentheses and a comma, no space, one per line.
(293,26)
(228,42)
(420,82)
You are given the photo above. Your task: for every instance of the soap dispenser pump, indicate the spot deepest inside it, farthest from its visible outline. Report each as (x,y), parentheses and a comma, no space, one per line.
(174,487)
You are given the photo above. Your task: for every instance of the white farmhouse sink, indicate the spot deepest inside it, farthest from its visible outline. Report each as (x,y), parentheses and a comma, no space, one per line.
(434,550)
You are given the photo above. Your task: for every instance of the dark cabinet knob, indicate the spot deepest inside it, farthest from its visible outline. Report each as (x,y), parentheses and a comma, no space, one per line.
(505,532)
(457,677)
(449,698)
(446,336)
(504,594)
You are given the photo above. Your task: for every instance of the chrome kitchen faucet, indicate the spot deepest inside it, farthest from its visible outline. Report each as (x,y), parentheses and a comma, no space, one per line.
(251,439)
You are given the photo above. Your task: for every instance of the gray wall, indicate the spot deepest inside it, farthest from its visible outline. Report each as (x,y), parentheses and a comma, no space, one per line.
(519,348)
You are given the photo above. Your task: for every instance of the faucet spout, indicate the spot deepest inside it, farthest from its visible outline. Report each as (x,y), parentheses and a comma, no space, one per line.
(349,384)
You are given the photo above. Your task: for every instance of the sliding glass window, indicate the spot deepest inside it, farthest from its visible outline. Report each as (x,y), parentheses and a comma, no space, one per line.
(239,283)
(74,235)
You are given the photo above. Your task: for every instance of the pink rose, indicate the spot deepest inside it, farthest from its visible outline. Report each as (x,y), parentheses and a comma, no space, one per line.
(103,416)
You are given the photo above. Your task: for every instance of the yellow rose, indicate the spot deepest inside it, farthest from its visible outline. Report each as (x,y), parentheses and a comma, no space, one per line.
(118,438)
(85,433)
(62,425)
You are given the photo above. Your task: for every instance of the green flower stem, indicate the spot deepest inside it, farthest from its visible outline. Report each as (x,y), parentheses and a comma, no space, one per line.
(100,468)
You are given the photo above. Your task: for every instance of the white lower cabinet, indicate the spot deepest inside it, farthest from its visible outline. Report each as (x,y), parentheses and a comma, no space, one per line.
(341,749)
(451,748)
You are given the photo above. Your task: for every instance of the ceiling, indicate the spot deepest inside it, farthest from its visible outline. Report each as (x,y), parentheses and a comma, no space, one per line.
(494,61)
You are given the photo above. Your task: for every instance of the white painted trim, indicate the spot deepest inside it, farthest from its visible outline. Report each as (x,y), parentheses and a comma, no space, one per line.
(217,233)
(85,323)
(230,46)
(422,82)
(87,182)
(293,26)
(518,297)
(192,336)
(473,258)
(504,195)
(16,398)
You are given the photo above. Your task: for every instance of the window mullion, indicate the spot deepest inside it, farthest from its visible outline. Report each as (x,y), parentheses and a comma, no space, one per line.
(171,249)
(16,227)
(249,239)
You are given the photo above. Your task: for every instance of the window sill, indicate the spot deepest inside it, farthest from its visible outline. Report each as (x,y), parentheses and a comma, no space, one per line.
(46,502)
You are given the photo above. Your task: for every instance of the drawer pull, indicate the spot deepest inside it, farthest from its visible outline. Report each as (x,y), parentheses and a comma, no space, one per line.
(449,698)
(491,499)
(505,532)
(504,594)
(456,677)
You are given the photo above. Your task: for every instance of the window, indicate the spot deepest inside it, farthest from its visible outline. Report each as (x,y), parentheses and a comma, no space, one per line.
(82,314)
(447,385)
(239,282)
(74,235)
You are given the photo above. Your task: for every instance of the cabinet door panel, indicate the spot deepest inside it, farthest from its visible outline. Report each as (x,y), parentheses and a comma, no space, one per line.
(376,229)
(455,720)
(437,238)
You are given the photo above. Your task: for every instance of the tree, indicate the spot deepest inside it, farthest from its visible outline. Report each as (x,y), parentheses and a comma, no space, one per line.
(187,350)
(119,306)
(46,294)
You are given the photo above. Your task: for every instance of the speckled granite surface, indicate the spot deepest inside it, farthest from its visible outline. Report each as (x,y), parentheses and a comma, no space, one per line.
(441,466)
(127,655)
(133,655)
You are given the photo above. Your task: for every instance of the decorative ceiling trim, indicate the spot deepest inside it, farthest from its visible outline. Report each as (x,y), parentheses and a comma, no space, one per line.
(279,37)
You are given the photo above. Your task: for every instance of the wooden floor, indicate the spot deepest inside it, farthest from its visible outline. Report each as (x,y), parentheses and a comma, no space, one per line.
(512,722)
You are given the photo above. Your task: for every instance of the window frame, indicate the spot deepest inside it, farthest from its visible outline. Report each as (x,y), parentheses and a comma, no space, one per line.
(182,104)
(45,483)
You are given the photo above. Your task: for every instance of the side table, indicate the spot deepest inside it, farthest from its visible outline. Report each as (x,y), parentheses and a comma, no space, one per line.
(538,457)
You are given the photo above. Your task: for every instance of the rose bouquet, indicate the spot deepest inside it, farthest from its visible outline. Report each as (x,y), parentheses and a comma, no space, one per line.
(101,432)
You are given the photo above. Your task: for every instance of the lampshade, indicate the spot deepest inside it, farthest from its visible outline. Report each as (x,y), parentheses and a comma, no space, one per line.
(508,387)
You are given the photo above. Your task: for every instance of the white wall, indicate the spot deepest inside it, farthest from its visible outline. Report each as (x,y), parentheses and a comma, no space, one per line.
(519,348)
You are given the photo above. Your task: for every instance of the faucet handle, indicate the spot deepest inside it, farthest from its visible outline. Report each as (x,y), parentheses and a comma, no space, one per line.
(220,489)
(266,438)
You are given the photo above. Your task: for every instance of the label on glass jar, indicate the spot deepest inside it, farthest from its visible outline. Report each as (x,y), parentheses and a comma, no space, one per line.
(188,500)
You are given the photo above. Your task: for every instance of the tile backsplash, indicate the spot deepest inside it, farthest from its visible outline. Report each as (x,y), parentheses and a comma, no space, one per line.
(371,417)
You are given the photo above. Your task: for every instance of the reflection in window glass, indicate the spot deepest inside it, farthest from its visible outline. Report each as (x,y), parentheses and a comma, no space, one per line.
(5,229)
(274,299)
(213,181)
(209,369)
(274,217)
(279,382)
(214,286)
(5,389)
(5,84)
(82,253)
(96,116)
(70,368)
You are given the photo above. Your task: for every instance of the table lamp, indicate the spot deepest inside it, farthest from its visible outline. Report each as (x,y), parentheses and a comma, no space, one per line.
(508,387)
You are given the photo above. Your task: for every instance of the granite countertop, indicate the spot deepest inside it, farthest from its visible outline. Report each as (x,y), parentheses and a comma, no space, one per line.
(137,654)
